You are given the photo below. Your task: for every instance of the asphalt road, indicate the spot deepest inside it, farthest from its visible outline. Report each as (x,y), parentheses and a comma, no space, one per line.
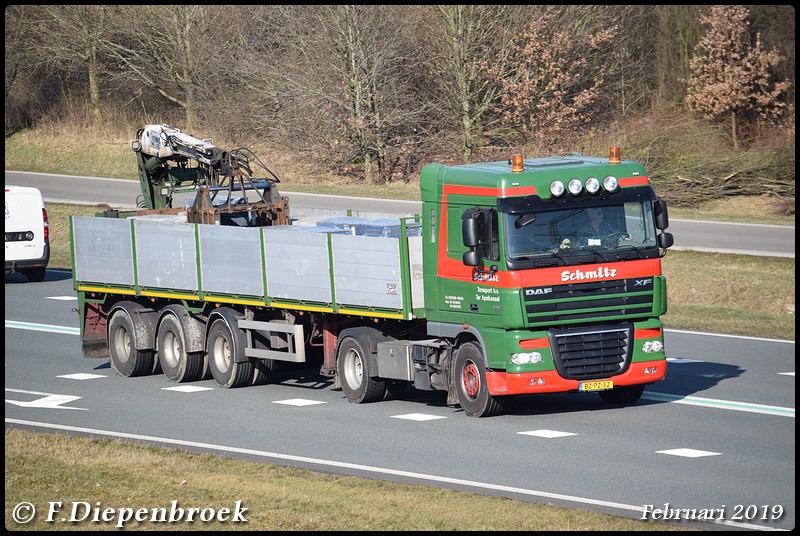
(766,240)
(718,434)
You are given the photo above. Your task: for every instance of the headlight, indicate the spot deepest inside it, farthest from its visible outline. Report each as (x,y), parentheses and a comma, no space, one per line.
(575,186)
(556,188)
(610,183)
(592,185)
(652,346)
(526,357)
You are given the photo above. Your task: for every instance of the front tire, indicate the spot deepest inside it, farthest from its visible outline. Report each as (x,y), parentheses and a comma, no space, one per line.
(353,368)
(470,378)
(225,345)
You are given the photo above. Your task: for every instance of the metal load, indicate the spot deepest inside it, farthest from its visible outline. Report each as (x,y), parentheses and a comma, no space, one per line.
(228,189)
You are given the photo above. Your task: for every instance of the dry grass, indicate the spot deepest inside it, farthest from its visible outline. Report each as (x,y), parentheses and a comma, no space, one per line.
(735,294)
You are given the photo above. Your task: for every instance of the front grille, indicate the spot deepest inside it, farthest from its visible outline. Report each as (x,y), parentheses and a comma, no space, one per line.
(591,353)
(621,299)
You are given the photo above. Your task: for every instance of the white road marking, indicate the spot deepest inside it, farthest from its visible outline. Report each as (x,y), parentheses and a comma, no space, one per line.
(722,404)
(47,400)
(187,388)
(418,417)
(62,298)
(81,376)
(549,434)
(688,453)
(42,327)
(299,402)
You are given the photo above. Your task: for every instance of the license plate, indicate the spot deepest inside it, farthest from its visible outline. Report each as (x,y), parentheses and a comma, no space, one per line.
(603,385)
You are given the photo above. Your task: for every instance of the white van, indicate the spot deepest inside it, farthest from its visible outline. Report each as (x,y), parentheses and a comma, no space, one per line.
(27,233)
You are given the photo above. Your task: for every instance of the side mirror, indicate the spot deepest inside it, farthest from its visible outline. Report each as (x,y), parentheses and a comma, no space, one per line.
(470,228)
(471,258)
(665,240)
(662,219)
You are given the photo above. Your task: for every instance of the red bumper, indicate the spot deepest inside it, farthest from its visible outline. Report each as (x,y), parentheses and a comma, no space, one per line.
(502,383)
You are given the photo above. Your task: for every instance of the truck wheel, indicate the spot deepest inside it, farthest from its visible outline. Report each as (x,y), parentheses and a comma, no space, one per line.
(125,358)
(178,365)
(224,344)
(470,379)
(352,366)
(263,370)
(622,395)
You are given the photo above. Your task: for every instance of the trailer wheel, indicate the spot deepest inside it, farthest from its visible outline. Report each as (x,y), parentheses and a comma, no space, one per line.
(125,358)
(622,395)
(224,345)
(470,379)
(178,365)
(352,366)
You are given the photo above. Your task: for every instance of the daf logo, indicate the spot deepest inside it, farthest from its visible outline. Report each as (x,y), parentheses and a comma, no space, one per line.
(538,291)
(642,282)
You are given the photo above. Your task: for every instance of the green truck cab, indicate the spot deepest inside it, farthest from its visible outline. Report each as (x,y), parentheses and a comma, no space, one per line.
(545,306)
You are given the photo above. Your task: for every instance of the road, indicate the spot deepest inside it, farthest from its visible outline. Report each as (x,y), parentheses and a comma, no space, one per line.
(718,434)
(747,239)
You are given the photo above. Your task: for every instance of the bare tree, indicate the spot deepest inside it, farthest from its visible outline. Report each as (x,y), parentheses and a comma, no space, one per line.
(170,49)
(732,76)
(462,39)
(66,39)
(339,82)
(557,75)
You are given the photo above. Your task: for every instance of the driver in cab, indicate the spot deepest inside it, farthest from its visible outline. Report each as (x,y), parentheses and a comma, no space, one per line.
(597,232)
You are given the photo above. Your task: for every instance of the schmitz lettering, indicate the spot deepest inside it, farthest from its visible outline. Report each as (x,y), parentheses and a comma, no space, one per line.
(602,272)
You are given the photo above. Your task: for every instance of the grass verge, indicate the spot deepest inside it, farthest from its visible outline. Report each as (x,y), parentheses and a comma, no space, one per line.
(118,475)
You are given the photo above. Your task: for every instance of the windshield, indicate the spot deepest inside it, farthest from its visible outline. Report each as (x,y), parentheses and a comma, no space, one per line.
(577,235)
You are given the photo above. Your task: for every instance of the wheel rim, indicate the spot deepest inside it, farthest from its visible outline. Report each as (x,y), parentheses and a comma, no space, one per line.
(353,368)
(222,354)
(471,379)
(172,349)
(122,344)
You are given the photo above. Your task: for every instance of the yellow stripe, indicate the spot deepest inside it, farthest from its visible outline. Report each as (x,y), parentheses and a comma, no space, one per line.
(85,288)
(301,307)
(371,313)
(234,300)
(170,295)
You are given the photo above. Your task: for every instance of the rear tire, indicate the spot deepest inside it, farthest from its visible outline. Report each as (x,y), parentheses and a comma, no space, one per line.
(470,378)
(178,365)
(225,345)
(125,358)
(353,369)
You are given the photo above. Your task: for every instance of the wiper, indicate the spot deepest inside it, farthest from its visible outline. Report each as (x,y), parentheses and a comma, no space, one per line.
(557,255)
(594,251)
(635,252)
